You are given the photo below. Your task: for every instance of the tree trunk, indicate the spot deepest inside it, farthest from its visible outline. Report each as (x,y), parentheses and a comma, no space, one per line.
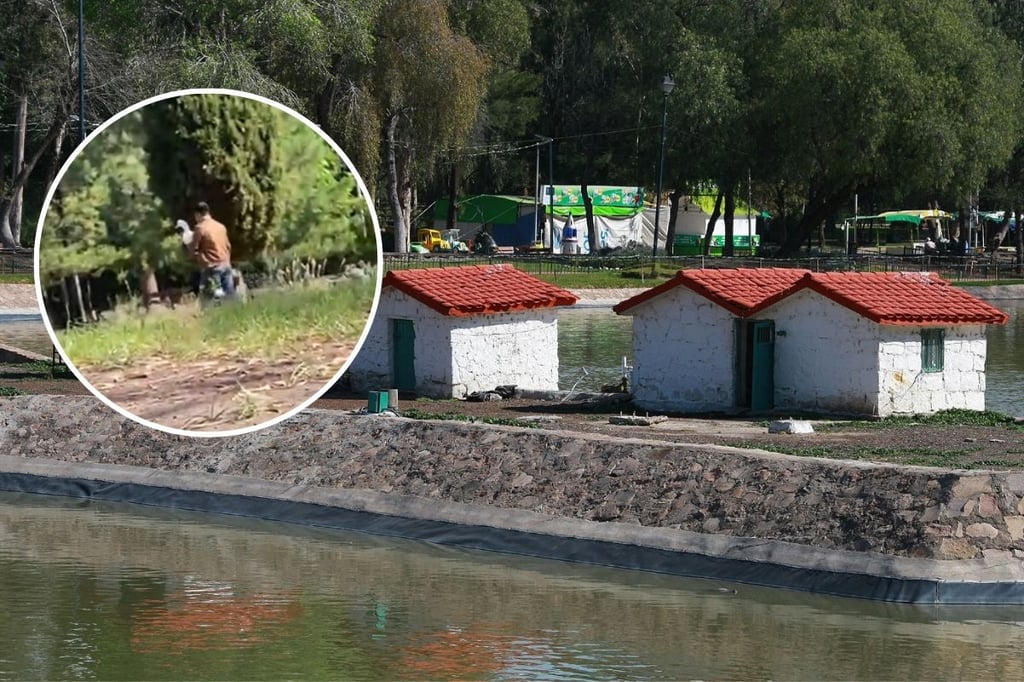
(998,237)
(817,209)
(407,195)
(78,298)
(7,239)
(710,231)
(670,229)
(65,296)
(150,288)
(401,233)
(588,206)
(728,249)
(17,199)
(58,146)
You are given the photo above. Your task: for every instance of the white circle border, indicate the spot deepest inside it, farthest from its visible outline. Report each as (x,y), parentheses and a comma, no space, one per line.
(362,190)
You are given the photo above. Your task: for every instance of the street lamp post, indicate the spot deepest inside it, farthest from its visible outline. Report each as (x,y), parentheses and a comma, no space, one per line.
(551,172)
(666,88)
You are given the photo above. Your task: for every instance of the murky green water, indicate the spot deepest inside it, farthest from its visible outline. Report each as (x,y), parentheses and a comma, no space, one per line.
(1004,375)
(114,592)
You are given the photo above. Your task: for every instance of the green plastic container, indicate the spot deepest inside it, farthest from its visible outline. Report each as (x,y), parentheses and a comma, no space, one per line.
(378,402)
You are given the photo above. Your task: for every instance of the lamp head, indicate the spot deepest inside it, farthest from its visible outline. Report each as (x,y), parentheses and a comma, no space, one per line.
(667,85)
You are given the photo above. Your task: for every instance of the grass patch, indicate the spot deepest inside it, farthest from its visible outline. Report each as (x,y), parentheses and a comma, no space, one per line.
(987,282)
(17,278)
(910,456)
(456,416)
(45,369)
(10,391)
(606,279)
(273,323)
(954,417)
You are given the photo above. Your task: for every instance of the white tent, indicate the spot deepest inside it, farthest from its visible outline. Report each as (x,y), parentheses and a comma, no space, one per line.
(638,230)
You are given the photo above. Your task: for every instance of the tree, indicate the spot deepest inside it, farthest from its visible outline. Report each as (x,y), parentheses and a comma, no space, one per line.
(850,95)
(38,68)
(224,150)
(428,83)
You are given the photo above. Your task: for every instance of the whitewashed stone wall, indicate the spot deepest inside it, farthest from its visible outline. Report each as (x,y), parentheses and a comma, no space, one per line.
(826,355)
(518,348)
(372,369)
(905,389)
(455,356)
(683,347)
(832,359)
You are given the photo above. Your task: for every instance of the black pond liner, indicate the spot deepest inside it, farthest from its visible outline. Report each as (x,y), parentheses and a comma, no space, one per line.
(541,545)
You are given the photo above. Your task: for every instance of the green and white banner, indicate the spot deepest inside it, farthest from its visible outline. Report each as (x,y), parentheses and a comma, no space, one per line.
(566,200)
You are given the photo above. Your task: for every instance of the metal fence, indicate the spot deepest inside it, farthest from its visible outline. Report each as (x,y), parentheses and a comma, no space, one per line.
(15,262)
(966,268)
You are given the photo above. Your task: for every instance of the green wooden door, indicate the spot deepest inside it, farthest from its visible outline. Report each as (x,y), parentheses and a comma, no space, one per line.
(403,345)
(762,385)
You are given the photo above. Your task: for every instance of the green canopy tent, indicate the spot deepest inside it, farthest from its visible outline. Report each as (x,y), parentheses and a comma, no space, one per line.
(510,219)
(887,220)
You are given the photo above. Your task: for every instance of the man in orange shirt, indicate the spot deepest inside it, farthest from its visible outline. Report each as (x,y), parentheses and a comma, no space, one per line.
(211,247)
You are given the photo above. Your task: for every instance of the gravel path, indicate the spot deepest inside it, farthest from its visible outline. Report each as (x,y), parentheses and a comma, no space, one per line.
(18,299)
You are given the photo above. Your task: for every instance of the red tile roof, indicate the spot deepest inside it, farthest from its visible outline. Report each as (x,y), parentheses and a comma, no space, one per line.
(477,289)
(891,298)
(903,298)
(741,291)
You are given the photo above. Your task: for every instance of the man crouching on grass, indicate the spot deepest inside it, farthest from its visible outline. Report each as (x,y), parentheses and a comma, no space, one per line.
(211,247)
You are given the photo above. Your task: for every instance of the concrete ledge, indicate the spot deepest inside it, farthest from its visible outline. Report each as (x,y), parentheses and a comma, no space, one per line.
(743,560)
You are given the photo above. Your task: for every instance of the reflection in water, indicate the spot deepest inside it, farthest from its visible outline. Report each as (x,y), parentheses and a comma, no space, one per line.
(100,591)
(597,338)
(1004,366)
(591,343)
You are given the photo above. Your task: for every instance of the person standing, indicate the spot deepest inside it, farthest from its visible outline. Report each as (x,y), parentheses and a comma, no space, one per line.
(211,248)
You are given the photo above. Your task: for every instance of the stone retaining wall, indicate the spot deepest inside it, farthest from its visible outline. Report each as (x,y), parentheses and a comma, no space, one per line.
(901,511)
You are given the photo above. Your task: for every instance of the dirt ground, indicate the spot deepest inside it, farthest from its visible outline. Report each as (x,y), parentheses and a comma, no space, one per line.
(222,394)
(997,447)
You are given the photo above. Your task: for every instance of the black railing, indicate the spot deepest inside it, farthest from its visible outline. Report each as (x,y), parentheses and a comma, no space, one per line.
(954,268)
(15,262)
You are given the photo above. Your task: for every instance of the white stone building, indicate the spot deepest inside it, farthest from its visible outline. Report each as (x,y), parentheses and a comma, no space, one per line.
(449,332)
(786,339)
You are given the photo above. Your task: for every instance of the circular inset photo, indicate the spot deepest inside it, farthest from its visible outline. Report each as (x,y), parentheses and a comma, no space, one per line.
(208,262)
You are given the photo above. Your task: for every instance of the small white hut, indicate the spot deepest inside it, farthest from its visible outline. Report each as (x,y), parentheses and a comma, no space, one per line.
(857,343)
(449,332)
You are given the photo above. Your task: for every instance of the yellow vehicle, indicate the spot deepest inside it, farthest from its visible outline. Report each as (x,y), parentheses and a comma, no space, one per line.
(431,240)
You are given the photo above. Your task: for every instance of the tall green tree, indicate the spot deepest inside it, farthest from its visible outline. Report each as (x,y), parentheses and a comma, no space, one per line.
(224,150)
(428,83)
(914,95)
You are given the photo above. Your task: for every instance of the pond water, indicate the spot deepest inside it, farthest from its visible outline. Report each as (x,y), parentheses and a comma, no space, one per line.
(94,590)
(26,332)
(595,339)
